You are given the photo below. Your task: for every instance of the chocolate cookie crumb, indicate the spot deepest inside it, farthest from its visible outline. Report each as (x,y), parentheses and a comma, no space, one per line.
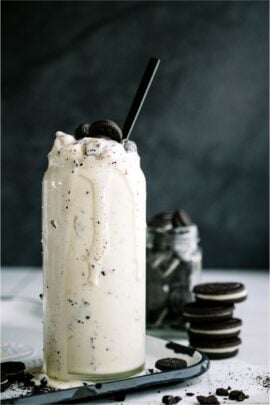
(27,380)
(24,380)
(170,363)
(190,394)
(222,392)
(211,400)
(43,382)
(237,395)
(266,382)
(53,224)
(82,131)
(170,399)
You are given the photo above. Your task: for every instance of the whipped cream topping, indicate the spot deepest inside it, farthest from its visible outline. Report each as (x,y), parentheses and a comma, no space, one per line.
(93,146)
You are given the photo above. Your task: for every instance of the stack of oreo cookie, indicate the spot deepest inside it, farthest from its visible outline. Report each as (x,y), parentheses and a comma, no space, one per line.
(212,327)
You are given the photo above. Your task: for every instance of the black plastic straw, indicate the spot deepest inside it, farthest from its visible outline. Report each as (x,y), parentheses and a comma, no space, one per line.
(140,95)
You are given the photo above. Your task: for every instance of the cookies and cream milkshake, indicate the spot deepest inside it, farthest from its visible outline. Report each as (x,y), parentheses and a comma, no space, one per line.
(94,255)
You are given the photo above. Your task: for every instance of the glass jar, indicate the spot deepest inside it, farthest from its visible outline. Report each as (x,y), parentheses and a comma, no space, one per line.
(174,262)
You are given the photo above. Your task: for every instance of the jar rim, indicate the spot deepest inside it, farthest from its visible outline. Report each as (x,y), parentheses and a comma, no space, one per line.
(174,231)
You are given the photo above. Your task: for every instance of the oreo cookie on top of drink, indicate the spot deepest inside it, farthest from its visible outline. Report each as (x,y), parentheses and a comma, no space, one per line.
(212,327)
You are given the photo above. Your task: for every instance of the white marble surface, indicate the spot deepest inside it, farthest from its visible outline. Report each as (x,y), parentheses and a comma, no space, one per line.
(21,321)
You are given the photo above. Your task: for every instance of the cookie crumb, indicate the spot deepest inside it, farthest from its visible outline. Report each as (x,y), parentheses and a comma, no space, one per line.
(237,395)
(222,392)
(266,382)
(170,399)
(211,400)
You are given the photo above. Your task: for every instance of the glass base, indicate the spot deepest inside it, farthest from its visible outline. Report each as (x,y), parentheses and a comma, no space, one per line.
(107,377)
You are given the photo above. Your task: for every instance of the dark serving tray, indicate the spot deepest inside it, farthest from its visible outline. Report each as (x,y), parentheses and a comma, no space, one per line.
(198,363)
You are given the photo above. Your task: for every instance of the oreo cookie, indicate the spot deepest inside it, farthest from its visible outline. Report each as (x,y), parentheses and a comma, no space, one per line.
(99,129)
(229,293)
(200,312)
(170,363)
(162,222)
(181,218)
(105,128)
(10,372)
(217,349)
(215,330)
(167,221)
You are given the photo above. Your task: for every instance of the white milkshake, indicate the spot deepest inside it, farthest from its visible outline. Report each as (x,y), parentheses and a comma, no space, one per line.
(94,259)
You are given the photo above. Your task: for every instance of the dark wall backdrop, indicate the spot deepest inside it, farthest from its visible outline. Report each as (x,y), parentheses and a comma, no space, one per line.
(202,134)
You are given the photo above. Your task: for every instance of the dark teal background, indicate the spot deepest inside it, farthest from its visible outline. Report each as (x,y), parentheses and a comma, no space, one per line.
(202,134)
